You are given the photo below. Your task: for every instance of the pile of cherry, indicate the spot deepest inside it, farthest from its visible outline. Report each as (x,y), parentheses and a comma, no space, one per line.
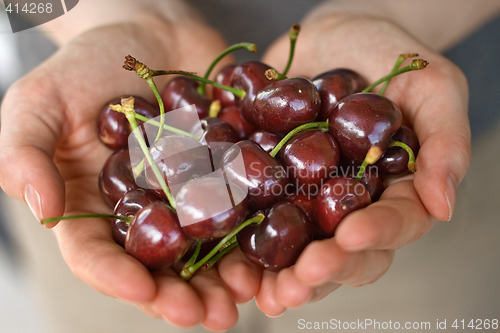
(314,151)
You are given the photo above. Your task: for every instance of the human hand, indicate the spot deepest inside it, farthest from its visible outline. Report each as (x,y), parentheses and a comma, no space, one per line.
(52,158)
(434,103)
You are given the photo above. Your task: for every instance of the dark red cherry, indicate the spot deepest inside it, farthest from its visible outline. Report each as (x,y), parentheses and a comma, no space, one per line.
(335,85)
(277,241)
(217,130)
(116,177)
(263,176)
(155,237)
(249,76)
(338,197)
(265,139)
(395,160)
(128,205)
(113,127)
(182,91)
(372,178)
(224,77)
(364,120)
(305,200)
(286,104)
(208,207)
(310,157)
(232,116)
(179,159)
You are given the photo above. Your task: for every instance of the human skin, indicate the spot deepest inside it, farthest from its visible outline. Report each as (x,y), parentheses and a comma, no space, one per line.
(60,99)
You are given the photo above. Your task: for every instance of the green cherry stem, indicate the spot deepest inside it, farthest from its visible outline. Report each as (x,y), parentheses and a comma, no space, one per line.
(128,108)
(323,125)
(416,64)
(412,165)
(229,247)
(165,126)
(132,64)
(86,216)
(398,63)
(272,74)
(293,33)
(249,46)
(188,270)
(237,92)
(195,255)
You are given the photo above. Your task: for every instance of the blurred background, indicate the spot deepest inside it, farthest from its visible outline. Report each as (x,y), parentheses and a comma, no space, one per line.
(451,273)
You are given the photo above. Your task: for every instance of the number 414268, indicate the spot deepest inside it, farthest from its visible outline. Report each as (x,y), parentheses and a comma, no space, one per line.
(29,8)
(475,324)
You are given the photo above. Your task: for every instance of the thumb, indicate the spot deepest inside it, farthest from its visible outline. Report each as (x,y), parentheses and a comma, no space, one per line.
(28,137)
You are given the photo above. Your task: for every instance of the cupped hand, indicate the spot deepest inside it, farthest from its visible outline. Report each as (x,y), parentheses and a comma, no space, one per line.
(52,158)
(433,101)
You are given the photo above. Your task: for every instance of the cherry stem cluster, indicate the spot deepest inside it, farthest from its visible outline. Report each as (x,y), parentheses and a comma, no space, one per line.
(248,46)
(322,125)
(224,246)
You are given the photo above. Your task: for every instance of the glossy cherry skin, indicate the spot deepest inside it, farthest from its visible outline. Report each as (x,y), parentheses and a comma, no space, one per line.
(265,139)
(198,198)
(179,160)
(217,130)
(335,85)
(338,197)
(286,104)
(224,77)
(277,241)
(395,160)
(265,177)
(363,120)
(310,157)
(182,91)
(128,205)
(116,177)
(155,237)
(113,127)
(249,76)
(233,116)
(372,178)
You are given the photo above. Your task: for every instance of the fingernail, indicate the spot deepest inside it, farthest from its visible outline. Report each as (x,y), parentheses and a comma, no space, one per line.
(320,292)
(33,200)
(451,194)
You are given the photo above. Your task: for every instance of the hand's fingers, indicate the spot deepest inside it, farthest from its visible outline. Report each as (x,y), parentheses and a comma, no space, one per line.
(322,291)
(28,137)
(241,277)
(398,218)
(265,299)
(291,292)
(92,255)
(176,301)
(435,103)
(221,312)
(354,268)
